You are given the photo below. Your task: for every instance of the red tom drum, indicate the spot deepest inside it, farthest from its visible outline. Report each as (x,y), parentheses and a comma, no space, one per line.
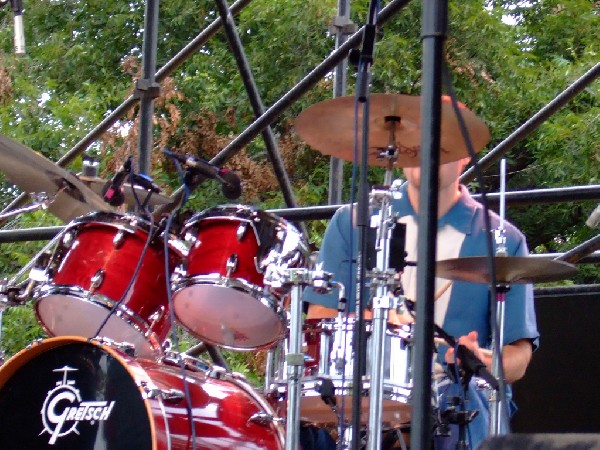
(91,272)
(222,296)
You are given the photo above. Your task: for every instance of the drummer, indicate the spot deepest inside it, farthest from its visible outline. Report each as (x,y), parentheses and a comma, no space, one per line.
(461,309)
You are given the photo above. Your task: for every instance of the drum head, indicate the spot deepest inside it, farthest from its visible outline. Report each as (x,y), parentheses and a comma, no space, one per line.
(228,317)
(71,395)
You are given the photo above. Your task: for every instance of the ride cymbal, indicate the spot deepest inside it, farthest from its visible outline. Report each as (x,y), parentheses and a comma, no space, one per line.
(329,128)
(96,184)
(509,269)
(32,172)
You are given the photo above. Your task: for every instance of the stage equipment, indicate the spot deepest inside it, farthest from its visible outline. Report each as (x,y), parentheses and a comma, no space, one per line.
(33,173)
(70,392)
(220,293)
(92,285)
(329,127)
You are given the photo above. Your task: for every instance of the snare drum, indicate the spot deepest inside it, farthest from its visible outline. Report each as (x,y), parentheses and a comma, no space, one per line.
(328,355)
(68,393)
(91,271)
(221,296)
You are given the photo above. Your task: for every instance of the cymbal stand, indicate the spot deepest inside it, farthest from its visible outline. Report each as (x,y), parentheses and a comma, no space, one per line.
(297,279)
(384,281)
(496,407)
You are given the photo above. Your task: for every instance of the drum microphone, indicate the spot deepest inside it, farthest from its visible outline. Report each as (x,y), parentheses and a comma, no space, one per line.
(112,192)
(231,184)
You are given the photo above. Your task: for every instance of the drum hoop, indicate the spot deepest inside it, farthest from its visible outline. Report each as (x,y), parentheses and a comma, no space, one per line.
(238,284)
(128,316)
(124,222)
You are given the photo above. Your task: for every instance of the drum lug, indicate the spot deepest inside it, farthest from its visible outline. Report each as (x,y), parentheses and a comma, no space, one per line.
(217,372)
(68,239)
(172,395)
(231,264)
(263,419)
(241,231)
(96,280)
(119,239)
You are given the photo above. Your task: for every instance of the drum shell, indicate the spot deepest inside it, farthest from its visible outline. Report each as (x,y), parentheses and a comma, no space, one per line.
(233,249)
(107,247)
(323,340)
(142,417)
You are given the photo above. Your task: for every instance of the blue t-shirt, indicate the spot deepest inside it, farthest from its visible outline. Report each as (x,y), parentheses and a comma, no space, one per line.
(461,230)
(463,307)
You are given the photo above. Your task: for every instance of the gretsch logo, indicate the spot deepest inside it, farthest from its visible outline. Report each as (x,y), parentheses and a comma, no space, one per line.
(60,420)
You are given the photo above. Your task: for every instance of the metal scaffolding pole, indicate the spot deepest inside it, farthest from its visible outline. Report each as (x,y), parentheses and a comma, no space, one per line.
(130,102)
(535,121)
(342,25)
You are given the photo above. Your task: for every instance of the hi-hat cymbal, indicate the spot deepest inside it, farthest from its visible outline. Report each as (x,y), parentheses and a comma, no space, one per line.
(96,184)
(32,172)
(509,269)
(329,128)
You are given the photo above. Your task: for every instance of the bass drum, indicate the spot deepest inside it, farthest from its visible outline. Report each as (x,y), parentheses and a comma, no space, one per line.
(68,393)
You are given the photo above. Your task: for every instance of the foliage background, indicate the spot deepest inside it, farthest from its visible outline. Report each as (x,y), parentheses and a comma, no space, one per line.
(508,58)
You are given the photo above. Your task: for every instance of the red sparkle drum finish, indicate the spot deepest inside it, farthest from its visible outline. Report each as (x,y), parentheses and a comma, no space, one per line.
(91,271)
(222,296)
(67,393)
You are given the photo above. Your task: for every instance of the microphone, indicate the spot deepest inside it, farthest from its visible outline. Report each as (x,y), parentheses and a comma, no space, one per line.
(112,192)
(17,7)
(594,219)
(231,184)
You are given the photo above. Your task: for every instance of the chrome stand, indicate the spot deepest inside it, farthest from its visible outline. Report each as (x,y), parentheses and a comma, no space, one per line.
(297,279)
(385,284)
(496,407)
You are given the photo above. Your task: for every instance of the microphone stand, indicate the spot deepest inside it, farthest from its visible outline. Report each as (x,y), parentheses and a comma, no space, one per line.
(365,61)
(295,280)
(383,280)
(496,406)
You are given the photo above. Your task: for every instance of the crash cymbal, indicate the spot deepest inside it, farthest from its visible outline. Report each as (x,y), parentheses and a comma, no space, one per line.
(509,269)
(329,128)
(96,184)
(32,172)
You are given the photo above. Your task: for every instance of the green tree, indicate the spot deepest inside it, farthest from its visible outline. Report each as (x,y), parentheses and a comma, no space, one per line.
(507,60)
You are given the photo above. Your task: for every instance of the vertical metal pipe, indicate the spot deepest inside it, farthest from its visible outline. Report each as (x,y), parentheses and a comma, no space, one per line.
(146,85)
(340,81)
(433,35)
(295,364)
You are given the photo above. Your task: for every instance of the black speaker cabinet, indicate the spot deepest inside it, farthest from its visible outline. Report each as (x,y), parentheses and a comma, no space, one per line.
(551,441)
(560,392)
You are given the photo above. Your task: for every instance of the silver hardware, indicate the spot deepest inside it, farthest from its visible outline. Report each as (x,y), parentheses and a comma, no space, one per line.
(231,264)
(119,239)
(97,280)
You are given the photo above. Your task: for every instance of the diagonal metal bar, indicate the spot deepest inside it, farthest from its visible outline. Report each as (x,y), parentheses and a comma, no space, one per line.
(535,121)
(258,107)
(328,64)
(130,102)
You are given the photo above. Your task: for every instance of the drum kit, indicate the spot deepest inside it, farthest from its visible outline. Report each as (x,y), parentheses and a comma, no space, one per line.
(111,286)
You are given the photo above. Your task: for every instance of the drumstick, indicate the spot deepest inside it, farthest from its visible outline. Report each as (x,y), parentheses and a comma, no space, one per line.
(441,290)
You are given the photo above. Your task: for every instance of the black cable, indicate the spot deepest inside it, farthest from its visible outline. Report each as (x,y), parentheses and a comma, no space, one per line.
(174,337)
(488,233)
(132,279)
